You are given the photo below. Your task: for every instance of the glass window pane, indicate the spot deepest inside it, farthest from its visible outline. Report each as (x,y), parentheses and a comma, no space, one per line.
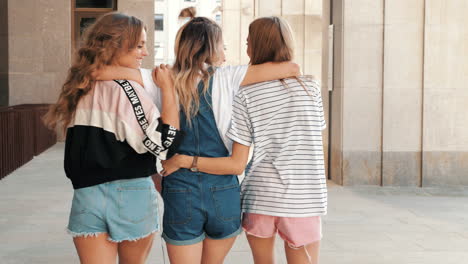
(94,3)
(86,22)
(159,22)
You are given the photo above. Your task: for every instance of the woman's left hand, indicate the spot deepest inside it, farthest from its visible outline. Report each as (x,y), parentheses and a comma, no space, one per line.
(173,164)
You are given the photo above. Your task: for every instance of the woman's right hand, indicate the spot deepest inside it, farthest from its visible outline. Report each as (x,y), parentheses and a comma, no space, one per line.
(175,163)
(163,77)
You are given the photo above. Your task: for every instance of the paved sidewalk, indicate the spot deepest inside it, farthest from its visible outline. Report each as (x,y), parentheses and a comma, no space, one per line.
(363,225)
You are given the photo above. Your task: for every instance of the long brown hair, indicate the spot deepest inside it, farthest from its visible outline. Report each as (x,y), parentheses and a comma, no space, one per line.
(270,40)
(196,47)
(110,36)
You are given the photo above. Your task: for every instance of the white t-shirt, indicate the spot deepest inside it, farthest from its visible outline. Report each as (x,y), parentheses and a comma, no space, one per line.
(226,82)
(286,176)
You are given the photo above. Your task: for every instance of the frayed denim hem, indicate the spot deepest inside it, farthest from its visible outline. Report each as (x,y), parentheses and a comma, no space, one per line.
(84,234)
(134,239)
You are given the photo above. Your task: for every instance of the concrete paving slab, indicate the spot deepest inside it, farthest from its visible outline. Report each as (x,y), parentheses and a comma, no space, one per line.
(365,225)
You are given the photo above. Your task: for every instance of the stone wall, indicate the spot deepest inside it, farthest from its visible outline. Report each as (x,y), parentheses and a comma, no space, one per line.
(399,98)
(39,41)
(445,97)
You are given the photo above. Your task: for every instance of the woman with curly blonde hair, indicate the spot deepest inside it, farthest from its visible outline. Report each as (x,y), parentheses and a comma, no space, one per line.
(114,133)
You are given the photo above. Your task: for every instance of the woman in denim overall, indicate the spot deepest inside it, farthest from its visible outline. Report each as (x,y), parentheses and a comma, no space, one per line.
(284,190)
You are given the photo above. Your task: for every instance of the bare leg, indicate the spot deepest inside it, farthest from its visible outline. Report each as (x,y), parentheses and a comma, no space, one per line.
(308,254)
(135,252)
(157,180)
(214,251)
(262,249)
(96,250)
(185,254)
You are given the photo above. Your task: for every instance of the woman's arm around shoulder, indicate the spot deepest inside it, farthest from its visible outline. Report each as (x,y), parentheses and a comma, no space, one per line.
(235,164)
(145,128)
(270,71)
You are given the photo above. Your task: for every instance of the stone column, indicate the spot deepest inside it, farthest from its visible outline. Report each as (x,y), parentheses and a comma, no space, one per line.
(325,53)
(402,92)
(445,101)
(336,107)
(237,16)
(399,100)
(357,92)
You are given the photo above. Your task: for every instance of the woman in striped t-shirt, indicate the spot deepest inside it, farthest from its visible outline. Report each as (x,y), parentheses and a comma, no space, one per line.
(284,189)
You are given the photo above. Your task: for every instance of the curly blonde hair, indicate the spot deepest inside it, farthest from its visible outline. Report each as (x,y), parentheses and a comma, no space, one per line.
(110,36)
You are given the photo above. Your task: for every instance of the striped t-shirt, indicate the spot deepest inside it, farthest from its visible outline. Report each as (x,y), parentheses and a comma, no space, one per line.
(286,176)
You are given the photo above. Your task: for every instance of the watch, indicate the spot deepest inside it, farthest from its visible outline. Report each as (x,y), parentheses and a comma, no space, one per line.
(194,167)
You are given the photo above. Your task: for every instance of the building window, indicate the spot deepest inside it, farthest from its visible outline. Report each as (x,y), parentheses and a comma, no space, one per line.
(190,1)
(95,4)
(159,22)
(218,19)
(84,13)
(85,22)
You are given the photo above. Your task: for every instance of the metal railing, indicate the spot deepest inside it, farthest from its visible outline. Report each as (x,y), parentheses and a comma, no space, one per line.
(22,136)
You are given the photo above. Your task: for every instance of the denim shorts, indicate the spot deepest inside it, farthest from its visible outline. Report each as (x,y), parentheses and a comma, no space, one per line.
(124,209)
(199,205)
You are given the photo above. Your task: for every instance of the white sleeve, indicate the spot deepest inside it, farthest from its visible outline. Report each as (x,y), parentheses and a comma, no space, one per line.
(153,91)
(241,128)
(231,76)
(318,102)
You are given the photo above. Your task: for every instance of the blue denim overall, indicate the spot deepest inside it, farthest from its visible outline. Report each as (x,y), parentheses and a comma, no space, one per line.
(197,204)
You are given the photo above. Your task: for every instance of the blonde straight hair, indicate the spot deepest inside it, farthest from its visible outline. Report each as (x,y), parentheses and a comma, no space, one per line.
(109,37)
(196,48)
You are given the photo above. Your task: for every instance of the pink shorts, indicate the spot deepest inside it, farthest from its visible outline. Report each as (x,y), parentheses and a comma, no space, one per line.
(296,231)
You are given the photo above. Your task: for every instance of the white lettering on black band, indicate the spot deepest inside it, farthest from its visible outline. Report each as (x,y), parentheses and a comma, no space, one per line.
(143,122)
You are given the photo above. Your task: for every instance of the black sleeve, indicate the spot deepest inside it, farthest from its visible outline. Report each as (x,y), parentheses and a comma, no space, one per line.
(170,138)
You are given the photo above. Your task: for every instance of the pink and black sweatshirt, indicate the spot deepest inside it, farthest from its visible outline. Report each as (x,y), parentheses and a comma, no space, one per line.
(116,133)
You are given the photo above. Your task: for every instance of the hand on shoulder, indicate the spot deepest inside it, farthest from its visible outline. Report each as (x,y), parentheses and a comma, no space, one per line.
(163,77)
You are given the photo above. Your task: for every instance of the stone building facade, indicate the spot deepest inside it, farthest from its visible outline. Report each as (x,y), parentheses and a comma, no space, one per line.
(400,93)
(38,37)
